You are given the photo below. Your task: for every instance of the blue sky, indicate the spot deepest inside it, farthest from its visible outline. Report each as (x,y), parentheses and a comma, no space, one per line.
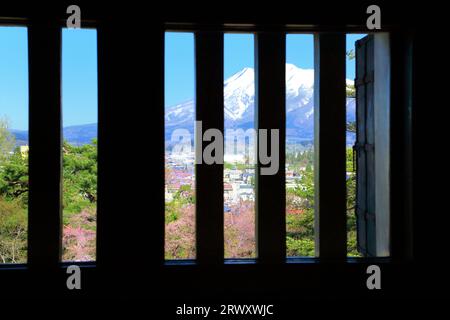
(79,69)
(14,76)
(238,54)
(79,76)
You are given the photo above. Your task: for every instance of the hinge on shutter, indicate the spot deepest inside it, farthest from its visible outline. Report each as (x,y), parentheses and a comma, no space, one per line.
(366,214)
(369,215)
(358,146)
(368,78)
(359,82)
(366,146)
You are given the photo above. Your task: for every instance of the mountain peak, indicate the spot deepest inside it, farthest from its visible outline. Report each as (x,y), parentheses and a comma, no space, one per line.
(239,102)
(242,78)
(290,67)
(239,92)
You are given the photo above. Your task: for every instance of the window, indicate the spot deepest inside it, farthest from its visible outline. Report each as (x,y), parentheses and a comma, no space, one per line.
(372,145)
(13,145)
(79,151)
(367,213)
(351,172)
(300,145)
(240,147)
(179,121)
(130,211)
(302,219)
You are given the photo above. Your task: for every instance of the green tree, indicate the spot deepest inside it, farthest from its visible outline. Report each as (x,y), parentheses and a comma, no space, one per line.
(79,200)
(80,178)
(351,126)
(13,232)
(350,54)
(7,140)
(13,198)
(351,201)
(350,90)
(300,227)
(14,177)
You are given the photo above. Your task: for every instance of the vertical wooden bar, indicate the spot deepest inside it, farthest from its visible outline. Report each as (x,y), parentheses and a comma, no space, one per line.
(329,146)
(119,224)
(361,156)
(270,92)
(44,231)
(104,152)
(401,147)
(209,177)
(131,171)
(130,209)
(157,66)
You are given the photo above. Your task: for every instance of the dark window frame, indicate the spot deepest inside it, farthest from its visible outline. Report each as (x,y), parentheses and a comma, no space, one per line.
(45,244)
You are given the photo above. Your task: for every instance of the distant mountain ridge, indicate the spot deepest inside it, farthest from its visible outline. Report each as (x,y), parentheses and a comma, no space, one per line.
(239,103)
(76,135)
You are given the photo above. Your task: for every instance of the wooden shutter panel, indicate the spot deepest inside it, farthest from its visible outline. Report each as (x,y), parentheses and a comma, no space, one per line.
(365,147)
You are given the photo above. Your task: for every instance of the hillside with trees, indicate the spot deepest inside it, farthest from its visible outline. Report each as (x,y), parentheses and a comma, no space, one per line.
(79,200)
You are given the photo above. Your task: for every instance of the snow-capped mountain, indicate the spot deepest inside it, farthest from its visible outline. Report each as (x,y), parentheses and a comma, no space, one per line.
(239,104)
(239,95)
